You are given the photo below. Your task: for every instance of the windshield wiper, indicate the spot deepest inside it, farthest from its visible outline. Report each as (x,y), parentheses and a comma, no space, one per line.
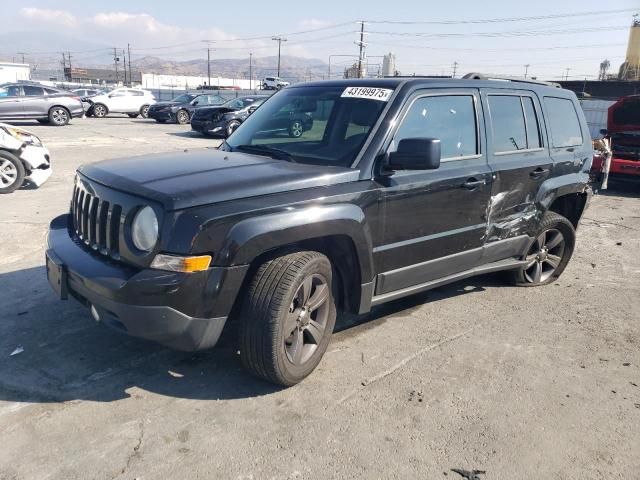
(266,150)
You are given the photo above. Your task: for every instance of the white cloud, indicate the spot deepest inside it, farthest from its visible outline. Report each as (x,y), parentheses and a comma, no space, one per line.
(44,15)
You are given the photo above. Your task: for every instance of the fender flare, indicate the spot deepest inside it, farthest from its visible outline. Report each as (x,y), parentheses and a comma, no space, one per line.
(255,236)
(550,190)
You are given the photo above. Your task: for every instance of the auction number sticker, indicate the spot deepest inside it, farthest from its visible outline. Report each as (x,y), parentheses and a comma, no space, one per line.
(380,94)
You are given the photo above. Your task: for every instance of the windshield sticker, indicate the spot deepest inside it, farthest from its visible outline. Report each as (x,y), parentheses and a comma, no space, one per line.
(380,94)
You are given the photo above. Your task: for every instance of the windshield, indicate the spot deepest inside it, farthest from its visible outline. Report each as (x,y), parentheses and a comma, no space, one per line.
(184,98)
(318,125)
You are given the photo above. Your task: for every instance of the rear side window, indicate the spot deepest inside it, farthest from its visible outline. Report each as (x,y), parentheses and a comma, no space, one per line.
(136,93)
(451,118)
(507,121)
(564,123)
(533,127)
(31,91)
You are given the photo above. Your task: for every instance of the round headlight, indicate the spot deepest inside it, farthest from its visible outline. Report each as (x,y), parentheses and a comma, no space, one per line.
(144,229)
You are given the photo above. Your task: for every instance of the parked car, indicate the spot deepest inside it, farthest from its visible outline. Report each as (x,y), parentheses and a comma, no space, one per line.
(274,83)
(403,185)
(32,101)
(623,137)
(132,101)
(180,109)
(86,92)
(23,159)
(223,120)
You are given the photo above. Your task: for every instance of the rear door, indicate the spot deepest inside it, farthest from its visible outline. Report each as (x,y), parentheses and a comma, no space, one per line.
(34,103)
(11,102)
(519,158)
(434,221)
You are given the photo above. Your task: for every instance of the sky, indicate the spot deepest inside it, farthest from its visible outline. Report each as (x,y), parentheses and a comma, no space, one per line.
(474,34)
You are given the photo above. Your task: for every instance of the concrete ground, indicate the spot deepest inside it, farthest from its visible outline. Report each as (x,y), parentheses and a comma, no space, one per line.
(522,383)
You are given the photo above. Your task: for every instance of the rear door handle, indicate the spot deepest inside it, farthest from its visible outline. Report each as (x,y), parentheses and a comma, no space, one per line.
(472,183)
(539,172)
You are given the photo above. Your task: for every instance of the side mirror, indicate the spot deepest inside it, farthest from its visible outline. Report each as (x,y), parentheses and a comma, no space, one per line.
(252,109)
(194,103)
(416,154)
(603,131)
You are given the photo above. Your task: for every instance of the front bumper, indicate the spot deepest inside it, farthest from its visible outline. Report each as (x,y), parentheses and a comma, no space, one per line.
(161,115)
(208,127)
(38,162)
(182,311)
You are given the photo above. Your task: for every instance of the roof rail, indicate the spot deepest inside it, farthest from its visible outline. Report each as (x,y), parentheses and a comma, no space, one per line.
(482,76)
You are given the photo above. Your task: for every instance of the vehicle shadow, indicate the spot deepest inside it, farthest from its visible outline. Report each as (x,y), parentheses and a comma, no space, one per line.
(191,134)
(52,351)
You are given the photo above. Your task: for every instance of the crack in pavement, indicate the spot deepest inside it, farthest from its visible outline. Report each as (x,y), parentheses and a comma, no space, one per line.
(135,452)
(403,362)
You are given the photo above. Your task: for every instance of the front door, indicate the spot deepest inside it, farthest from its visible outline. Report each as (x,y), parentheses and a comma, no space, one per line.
(434,221)
(11,102)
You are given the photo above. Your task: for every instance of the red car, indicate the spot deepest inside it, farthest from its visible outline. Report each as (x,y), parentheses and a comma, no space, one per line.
(623,132)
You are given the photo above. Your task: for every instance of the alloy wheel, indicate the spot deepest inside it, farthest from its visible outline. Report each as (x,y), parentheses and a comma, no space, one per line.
(8,173)
(183,117)
(99,111)
(60,116)
(545,256)
(307,319)
(296,129)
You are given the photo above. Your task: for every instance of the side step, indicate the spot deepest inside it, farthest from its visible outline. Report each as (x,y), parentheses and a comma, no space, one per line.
(508,264)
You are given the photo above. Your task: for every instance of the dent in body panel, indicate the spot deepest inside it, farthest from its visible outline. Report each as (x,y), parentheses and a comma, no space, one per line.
(523,217)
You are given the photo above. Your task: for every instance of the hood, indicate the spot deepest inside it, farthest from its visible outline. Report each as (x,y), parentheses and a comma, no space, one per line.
(189,179)
(216,109)
(624,115)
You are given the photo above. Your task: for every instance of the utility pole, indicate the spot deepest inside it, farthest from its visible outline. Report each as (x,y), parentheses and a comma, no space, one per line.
(279,40)
(64,67)
(209,66)
(250,70)
(129,52)
(567,74)
(115,62)
(526,70)
(124,60)
(455,69)
(361,43)
(70,71)
(21,53)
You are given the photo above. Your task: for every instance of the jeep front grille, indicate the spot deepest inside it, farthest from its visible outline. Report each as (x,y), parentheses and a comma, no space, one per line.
(96,222)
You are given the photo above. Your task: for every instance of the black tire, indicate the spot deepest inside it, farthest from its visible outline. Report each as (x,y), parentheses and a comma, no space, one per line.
(100,110)
(274,304)
(296,129)
(144,111)
(59,116)
(549,254)
(11,172)
(161,120)
(232,126)
(133,115)
(265,86)
(182,117)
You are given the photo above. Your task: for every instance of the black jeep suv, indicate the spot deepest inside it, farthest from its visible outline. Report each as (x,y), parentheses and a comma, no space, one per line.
(401,185)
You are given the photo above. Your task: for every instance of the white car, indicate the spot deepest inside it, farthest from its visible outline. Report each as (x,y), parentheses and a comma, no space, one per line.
(23,158)
(132,101)
(274,83)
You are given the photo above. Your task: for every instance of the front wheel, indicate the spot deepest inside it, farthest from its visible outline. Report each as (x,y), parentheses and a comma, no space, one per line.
(550,252)
(11,172)
(99,110)
(144,111)
(296,129)
(232,126)
(287,323)
(182,117)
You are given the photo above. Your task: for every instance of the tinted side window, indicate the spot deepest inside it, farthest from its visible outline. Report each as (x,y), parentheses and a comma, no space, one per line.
(563,119)
(533,127)
(451,118)
(507,121)
(13,91)
(31,91)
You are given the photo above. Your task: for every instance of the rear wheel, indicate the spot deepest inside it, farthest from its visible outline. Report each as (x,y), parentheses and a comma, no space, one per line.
(11,172)
(59,116)
(550,252)
(288,317)
(144,111)
(182,117)
(100,110)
